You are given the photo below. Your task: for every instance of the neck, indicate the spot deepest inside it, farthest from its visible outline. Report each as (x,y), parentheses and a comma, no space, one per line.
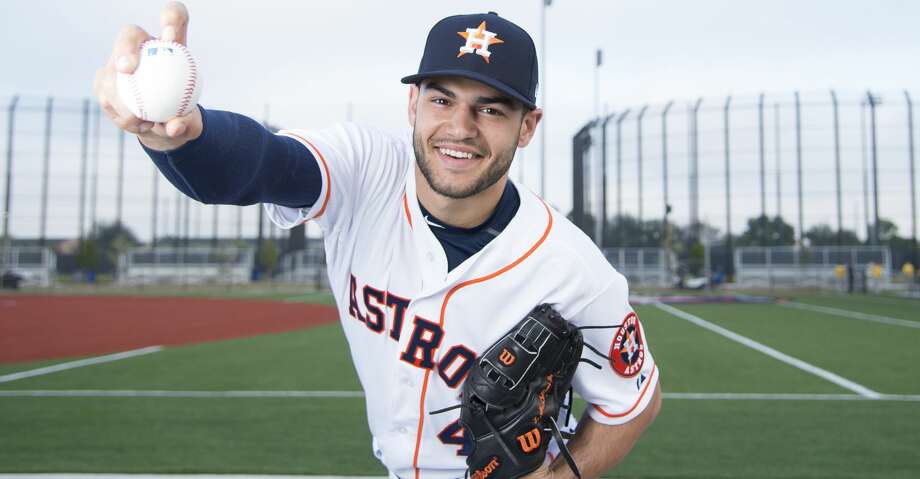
(461,213)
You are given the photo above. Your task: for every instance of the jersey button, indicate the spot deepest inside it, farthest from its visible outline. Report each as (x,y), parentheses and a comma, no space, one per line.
(403,430)
(429,256)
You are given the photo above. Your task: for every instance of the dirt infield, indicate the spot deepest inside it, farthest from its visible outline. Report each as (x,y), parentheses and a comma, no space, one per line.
(49,327)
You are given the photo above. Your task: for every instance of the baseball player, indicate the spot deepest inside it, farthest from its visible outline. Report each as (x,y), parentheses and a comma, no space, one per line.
(433,252)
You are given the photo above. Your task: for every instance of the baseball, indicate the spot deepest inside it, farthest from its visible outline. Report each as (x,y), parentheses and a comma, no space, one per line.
(164,85)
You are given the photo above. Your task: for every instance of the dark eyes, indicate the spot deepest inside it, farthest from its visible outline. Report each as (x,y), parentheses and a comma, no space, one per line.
(486,110)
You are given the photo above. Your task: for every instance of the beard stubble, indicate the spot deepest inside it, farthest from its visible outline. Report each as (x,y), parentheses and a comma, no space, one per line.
(496,170)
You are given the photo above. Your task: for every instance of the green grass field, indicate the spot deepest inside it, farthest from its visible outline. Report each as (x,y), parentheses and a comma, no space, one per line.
(823,431)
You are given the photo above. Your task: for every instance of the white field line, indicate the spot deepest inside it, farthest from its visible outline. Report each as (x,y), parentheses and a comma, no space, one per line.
(790,397)
(852,314)
(91,393)
(869,298)
(79,363)
(795,362)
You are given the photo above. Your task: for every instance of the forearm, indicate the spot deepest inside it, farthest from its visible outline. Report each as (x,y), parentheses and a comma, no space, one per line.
(597,448)
(237,161)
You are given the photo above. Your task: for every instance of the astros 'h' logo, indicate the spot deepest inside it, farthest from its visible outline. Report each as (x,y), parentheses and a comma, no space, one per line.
(627,351)
(506,357)
(478,41)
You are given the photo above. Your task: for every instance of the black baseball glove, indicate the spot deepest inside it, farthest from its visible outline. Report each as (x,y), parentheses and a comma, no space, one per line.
(514,393)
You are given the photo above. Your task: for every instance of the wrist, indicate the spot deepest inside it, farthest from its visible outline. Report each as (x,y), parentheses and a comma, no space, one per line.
(161,144)
(157,138)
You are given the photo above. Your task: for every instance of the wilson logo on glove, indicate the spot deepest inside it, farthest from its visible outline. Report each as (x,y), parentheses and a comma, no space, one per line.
(506,357)
(530,440)
(486,471)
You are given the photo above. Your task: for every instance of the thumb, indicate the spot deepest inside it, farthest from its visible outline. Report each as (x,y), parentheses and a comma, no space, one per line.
(177,127)
(186,127)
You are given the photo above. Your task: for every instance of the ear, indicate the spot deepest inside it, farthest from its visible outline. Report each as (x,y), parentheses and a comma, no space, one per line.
(413,103)
(529,126)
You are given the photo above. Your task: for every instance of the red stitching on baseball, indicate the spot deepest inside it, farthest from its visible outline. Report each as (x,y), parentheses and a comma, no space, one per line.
(190,82)
(138,99)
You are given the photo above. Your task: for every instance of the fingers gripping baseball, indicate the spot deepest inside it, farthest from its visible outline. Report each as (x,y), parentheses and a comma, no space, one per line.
(123,59)
(153,92)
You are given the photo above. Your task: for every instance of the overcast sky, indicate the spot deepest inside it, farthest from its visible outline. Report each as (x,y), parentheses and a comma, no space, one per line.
(308,60)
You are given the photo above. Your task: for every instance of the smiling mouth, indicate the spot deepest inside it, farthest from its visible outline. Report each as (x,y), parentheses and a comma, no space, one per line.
(456,160)
(460,155)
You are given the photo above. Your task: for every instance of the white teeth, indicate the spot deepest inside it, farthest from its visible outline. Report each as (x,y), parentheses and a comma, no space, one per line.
(455,154)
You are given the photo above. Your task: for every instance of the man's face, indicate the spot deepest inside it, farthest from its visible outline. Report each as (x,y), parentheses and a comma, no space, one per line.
(465,134)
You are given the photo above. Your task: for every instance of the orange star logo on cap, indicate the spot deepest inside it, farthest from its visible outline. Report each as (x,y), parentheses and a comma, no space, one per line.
(478,41)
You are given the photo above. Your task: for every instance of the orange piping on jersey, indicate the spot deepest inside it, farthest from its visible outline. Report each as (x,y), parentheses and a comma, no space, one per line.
(421,407)
(406,209)
(322,161)
(644,390)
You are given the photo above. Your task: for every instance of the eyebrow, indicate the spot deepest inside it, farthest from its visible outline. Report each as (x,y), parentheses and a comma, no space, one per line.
(480,100)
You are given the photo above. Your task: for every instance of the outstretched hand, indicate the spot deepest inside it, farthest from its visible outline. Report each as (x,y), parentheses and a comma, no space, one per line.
(125,56)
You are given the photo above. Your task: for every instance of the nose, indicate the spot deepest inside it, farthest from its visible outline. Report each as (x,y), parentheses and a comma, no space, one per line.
(462,124)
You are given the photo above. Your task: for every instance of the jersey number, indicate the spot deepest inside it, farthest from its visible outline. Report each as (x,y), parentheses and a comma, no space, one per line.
(454,434)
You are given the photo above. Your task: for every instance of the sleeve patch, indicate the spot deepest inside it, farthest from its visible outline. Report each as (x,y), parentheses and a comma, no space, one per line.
(627,351)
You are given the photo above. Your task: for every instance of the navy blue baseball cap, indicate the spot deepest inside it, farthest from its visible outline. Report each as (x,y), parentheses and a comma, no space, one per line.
(483,47)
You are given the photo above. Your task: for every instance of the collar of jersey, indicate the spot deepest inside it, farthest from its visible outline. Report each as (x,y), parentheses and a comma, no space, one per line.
(510,189)
(524,230)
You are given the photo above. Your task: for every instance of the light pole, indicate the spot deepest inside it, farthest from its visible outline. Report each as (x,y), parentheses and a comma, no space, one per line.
(545,4)
(597,83)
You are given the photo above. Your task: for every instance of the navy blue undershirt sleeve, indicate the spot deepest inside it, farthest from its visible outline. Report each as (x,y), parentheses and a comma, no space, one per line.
(236,161)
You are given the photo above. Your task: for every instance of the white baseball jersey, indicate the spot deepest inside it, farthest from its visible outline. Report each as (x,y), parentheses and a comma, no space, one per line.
(415,329)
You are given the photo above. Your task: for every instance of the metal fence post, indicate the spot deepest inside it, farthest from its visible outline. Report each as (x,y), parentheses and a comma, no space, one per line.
(214,222)
(156,200)
(694,171)
(837,170)
(84,145)
(873,101)
(619,232)
(912,180)
(729,269)
(178,225)
(46,161)
(778,155)
(865,169)
(239,224)
(119,188)
(11,116)
(666,234)
(580,144)
(620,166)
(639,158)
(763,170)
(798,162)
(607,119)
(94,188)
